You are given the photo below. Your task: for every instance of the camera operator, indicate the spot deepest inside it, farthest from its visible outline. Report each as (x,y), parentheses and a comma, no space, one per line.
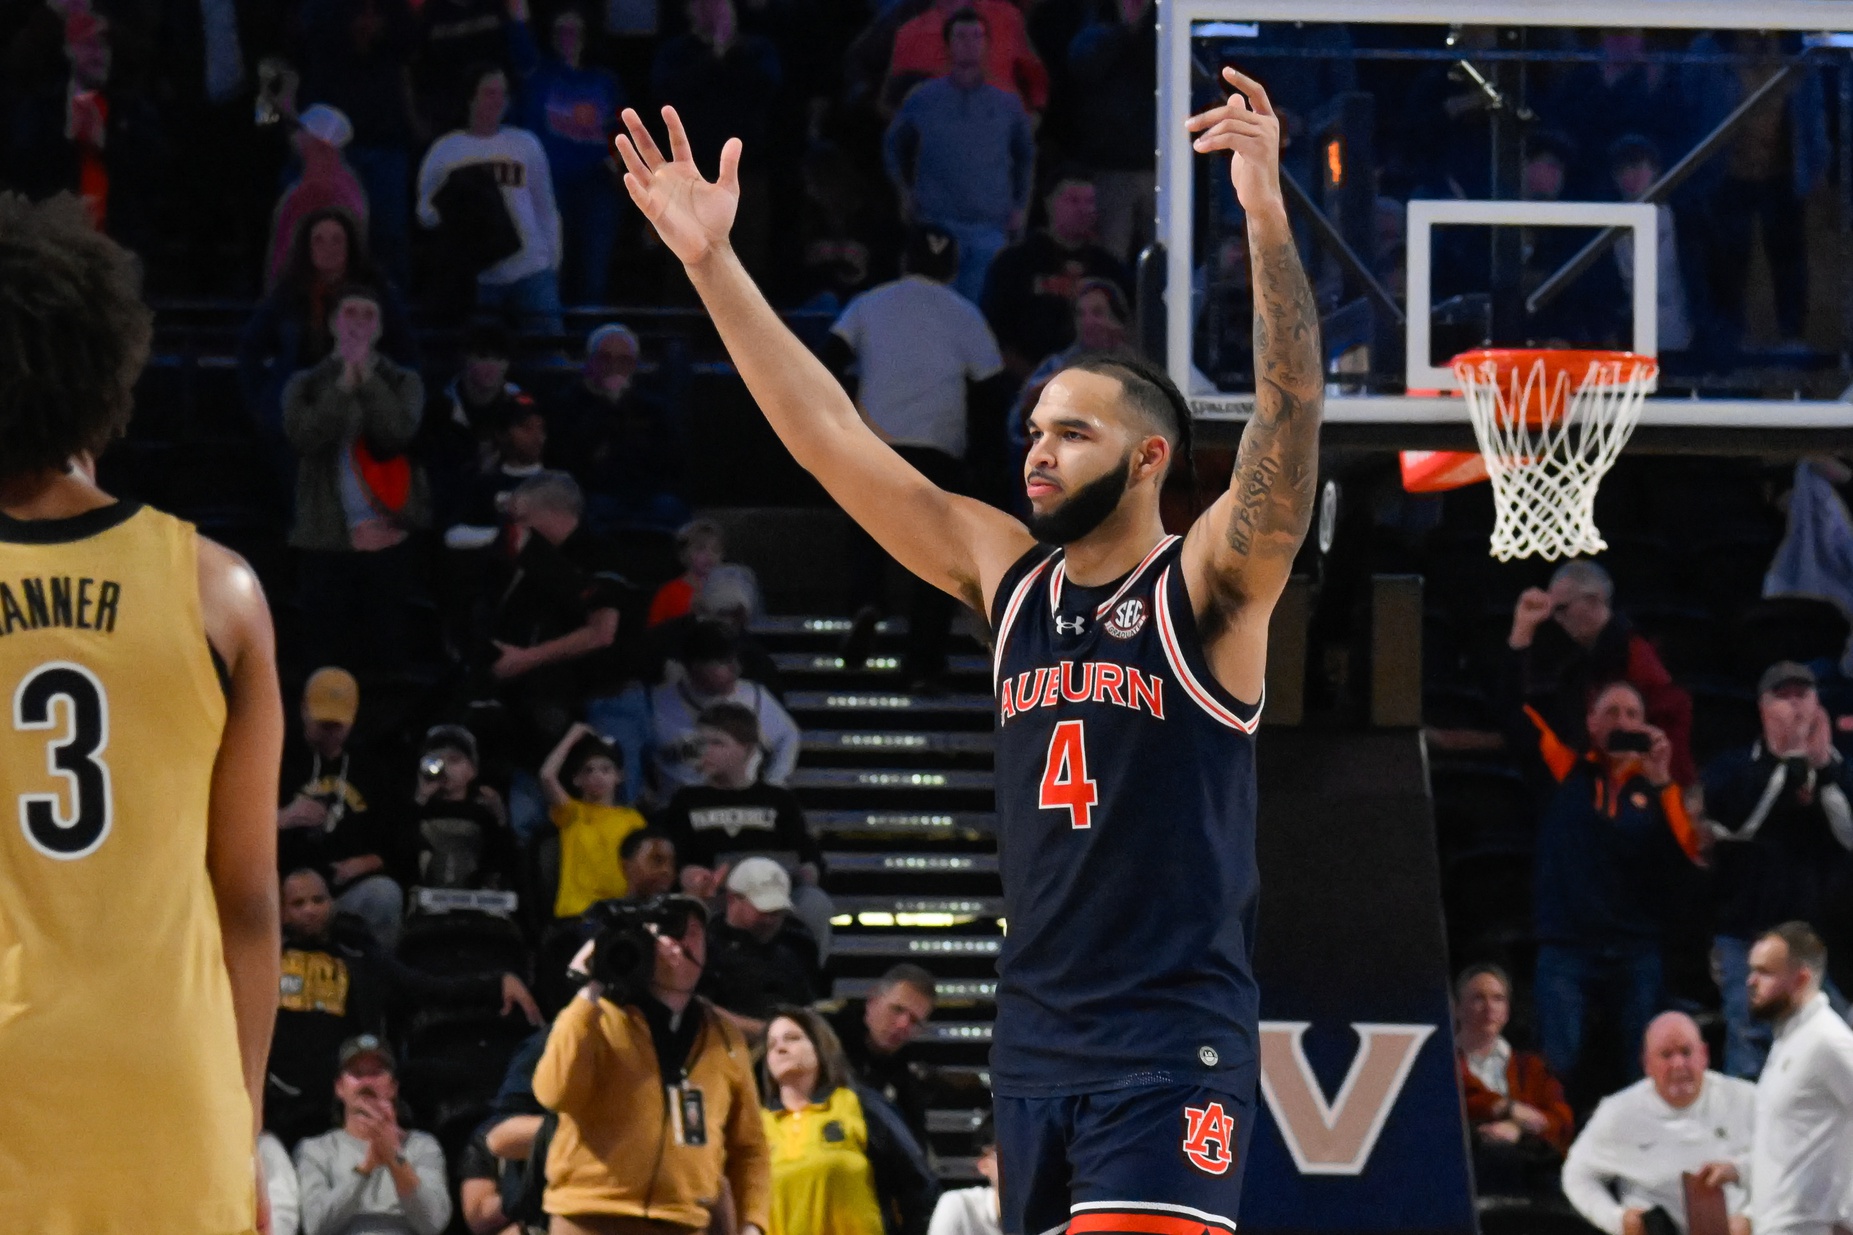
(1609,855)
(1778,810)
(653,1088)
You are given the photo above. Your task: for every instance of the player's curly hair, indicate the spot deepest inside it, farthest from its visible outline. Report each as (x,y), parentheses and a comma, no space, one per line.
(74,335)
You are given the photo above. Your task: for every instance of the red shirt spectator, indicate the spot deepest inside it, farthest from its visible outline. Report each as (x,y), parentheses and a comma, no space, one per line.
(1010,63)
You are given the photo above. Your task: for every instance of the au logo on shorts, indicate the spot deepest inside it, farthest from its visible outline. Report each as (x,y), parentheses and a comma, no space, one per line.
(1209,1138)
(1128,618)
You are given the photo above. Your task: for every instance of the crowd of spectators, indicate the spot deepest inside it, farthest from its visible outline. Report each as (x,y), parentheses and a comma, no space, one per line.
(1641,860)
(1682,1149)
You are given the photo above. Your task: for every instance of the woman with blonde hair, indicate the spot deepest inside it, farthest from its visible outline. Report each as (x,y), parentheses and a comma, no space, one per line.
(843,1162)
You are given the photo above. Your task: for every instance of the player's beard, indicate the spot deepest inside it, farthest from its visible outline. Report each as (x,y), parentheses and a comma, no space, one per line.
(1085,509)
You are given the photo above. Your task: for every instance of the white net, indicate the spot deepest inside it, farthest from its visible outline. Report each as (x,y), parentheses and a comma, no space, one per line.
(1550,426)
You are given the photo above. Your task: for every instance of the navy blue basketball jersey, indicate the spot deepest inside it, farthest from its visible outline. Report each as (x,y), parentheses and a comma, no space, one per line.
(1126,839)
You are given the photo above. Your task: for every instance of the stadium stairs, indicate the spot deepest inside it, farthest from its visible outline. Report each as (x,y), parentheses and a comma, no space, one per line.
(898,789)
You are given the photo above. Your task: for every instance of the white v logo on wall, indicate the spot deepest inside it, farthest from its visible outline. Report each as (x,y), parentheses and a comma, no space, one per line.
(1336,1137)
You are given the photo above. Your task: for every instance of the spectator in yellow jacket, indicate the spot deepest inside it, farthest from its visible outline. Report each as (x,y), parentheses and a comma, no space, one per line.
(654,1091)
(843,1162)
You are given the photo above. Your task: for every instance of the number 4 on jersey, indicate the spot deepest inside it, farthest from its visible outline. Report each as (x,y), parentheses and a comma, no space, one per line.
(1065,783)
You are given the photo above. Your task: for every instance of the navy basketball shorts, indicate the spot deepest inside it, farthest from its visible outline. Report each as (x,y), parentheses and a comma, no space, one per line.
(1157,1160)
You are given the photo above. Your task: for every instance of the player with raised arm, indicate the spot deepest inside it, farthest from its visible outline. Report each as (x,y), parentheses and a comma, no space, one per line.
(1128,671)
(140,733)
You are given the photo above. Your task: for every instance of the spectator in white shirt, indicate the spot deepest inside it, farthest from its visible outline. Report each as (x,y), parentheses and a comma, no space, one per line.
(279,1185)
(526,282)
(1631,1156)
(1801,1160)
(972,1211)
(917,348)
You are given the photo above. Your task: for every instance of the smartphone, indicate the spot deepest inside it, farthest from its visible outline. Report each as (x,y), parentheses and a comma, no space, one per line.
(1629,740)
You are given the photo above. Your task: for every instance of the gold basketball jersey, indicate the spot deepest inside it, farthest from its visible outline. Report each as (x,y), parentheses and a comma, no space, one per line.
(122,1103)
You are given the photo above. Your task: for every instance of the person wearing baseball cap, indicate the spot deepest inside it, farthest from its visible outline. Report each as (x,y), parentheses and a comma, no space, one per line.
(328,791)
(463,837)
(760,956)
(371,1173)
(1782,828)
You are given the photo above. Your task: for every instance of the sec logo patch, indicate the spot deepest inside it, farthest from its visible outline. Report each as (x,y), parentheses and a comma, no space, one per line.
(1128,619)
(1209,1139)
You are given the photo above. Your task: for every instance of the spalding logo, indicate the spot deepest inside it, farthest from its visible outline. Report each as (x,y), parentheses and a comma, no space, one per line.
(1128,619)
(1209,1138)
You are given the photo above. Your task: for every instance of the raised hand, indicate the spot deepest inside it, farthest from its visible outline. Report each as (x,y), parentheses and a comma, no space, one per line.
(1250,131)
(692,215)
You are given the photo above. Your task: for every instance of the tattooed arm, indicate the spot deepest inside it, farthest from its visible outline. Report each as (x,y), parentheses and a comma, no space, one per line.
(1237,556)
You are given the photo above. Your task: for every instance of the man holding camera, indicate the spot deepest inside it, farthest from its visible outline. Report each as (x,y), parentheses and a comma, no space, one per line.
(653,1088)
(1611,836)
(1779,812)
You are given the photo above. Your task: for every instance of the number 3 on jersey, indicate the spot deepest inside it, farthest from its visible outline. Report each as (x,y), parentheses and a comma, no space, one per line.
(1065,783)
(79,736)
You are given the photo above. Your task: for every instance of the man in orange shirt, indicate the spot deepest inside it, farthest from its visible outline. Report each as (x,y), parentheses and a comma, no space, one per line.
(920,53)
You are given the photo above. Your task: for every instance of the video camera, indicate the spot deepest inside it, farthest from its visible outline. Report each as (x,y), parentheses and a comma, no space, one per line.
(624,940)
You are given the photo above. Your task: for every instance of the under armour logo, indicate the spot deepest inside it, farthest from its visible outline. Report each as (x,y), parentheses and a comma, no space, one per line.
(1063,627)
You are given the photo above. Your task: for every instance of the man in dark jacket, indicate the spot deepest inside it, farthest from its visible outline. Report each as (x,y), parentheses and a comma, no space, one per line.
(336,984)
(1779,810)
(1609,855)
(877,1033)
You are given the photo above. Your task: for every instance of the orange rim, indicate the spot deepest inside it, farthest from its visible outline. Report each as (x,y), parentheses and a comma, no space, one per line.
(1572,362)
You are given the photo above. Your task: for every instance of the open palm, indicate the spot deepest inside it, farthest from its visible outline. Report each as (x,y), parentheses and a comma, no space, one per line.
(691,214)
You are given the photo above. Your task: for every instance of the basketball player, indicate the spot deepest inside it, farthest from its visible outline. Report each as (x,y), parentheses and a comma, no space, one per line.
(140,730)
(1129,669)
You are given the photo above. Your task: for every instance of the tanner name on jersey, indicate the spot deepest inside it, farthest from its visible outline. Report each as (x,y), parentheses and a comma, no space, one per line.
(1095,681)
(59,601)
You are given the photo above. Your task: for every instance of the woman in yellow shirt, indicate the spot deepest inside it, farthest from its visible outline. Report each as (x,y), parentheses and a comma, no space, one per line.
(843,1163)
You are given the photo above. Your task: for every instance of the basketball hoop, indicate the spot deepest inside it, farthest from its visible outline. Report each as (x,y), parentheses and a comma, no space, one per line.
(1550,424)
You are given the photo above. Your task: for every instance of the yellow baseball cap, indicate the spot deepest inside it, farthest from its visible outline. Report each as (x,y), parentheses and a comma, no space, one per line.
(332,695)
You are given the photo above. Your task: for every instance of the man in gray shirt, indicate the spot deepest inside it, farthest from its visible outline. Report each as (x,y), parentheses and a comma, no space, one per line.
(962,155)
(370,1176)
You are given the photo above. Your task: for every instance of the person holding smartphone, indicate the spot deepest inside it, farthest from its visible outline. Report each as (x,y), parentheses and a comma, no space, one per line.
(654,1089)
(1614,833)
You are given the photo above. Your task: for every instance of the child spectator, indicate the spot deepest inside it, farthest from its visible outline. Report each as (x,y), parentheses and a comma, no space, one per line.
(733,814)
(711,661)
(701,547)
(463,840)
(842,1160)
(648,856)
(592,825)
